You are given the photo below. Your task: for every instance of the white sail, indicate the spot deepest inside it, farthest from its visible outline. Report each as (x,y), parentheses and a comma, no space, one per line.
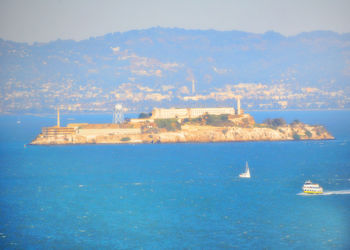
(247,171)
(246,174)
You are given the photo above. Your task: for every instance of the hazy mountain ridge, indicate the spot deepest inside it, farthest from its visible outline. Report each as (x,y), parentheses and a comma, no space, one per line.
(153,67)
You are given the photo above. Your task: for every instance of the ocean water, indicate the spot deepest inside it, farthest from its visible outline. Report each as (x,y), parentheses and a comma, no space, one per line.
(174,196)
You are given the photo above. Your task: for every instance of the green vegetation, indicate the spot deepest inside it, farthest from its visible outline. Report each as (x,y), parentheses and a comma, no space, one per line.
(168,124)
(260,125)
(193,120)
(320,130)
(145,115)
(308,133)
(216,120)
(125,139)
(246,123)
(212,120)
(296,136)
(275,122)
(296,122)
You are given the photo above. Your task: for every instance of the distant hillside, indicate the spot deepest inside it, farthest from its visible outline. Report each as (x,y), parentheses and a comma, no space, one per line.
(156,67)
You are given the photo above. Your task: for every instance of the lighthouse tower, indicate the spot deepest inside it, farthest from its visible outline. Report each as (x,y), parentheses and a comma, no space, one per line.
(193,86)
(58,117)
(238,110)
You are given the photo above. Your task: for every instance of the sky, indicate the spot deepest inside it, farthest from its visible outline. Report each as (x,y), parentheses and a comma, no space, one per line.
(47,20)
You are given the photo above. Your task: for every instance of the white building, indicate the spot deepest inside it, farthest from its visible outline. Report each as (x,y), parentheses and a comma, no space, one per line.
(189,112)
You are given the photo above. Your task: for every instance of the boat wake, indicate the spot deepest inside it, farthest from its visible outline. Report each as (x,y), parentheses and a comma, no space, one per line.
(347,191)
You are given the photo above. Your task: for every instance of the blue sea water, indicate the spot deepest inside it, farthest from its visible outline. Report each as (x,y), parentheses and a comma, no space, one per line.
(174,196)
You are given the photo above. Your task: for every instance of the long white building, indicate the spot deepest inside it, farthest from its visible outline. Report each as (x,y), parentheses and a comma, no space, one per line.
(159,113)
(182,113)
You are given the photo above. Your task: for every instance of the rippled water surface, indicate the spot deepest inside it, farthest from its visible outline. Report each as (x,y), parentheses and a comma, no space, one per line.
(174,196)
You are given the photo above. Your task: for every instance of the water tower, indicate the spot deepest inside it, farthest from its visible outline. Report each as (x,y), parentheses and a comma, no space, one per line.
(118,114)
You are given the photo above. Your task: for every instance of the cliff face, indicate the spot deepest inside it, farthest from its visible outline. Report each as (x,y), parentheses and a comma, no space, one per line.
(197,133)
(228,134)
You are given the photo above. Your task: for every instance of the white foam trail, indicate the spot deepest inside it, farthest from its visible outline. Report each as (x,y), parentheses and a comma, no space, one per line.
(347,191)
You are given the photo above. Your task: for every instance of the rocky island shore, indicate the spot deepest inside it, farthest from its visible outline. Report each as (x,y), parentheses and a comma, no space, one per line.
(203,128)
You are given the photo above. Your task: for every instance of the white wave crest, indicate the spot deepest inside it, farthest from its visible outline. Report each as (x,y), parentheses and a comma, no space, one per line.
(347,191)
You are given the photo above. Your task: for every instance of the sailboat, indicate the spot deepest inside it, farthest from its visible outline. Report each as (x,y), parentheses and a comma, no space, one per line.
(246,174)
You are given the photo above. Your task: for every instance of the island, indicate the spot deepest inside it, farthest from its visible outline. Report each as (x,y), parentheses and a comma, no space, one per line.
(187,125)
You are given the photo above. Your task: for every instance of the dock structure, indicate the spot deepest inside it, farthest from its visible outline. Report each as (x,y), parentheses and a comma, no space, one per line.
(69,133)
(57,130)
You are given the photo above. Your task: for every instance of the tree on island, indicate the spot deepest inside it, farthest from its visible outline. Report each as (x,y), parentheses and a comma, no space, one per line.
(296,122)
(145,115)
(168,124)
(277,122)
(216,120)
(296,136)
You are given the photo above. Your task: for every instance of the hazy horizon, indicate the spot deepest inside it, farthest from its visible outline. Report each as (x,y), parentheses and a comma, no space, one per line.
(45,21)
(179,28)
